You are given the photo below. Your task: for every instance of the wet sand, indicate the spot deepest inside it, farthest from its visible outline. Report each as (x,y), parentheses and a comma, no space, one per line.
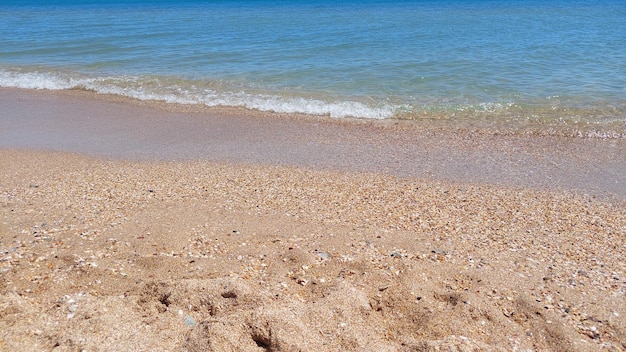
(82,122)
(127,226)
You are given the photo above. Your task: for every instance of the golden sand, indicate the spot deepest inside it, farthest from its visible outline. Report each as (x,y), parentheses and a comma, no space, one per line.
(209,256)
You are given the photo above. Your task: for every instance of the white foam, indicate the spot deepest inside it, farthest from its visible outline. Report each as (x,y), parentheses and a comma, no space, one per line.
(139,93)
(37,80)
(157,89)
(300,105)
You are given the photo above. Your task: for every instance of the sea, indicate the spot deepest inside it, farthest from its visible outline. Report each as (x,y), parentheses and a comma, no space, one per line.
(540,66)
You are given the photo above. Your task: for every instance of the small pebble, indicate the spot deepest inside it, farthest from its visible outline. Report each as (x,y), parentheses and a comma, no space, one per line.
(189,321)
(323,255)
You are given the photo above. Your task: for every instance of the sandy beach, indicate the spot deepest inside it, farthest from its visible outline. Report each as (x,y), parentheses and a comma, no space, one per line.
(129,226)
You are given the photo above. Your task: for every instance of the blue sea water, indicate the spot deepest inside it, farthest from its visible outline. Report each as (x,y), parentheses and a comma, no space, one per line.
(544,63)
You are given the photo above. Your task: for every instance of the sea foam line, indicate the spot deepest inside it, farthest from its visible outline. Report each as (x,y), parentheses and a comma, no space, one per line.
(157,89)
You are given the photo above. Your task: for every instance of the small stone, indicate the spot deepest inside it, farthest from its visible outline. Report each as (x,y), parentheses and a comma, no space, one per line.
(592,334)
(323,255)
(383,287)
(189,321)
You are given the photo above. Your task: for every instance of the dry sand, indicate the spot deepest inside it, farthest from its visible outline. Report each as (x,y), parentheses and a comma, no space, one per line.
(204,255)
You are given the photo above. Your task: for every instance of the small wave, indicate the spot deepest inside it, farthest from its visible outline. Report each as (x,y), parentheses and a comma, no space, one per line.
(179,92)
(37,80)
(300,105)
(604,121)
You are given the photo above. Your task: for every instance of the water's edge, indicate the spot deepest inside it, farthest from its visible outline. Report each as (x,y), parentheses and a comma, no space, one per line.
(114,127)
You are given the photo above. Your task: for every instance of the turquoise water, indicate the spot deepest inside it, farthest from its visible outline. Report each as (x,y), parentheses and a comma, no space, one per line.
(522,62)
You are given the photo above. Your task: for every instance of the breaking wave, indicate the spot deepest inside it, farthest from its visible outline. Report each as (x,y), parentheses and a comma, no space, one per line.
(173,90)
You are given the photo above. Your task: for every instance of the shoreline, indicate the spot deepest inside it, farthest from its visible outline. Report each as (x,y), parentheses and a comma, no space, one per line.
(201,255)
(132,227)
(122,128)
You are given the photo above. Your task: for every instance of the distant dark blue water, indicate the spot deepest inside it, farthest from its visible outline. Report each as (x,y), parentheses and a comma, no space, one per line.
(529,62)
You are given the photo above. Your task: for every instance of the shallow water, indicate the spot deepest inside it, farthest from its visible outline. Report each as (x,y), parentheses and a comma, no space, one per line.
(544,66)
(85,123)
